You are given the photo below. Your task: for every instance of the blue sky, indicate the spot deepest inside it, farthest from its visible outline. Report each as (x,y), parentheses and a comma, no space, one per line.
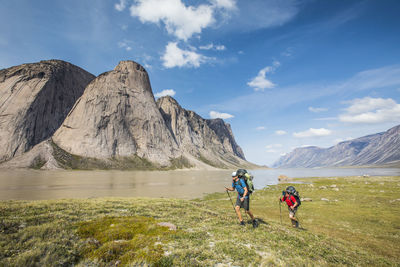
(283,73)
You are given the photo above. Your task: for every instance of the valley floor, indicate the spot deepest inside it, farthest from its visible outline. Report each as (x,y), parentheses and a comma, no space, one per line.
(357,224)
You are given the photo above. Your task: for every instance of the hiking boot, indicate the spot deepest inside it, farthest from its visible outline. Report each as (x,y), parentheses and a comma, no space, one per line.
(255,224)
(297,224)
(242,223)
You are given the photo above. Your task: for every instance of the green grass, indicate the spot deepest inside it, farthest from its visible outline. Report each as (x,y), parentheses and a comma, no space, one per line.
(359,226)
(75,162)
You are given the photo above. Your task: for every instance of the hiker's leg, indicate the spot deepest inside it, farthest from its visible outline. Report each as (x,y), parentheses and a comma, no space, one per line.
(246,205)
(251,214)
(237,209)
(293,219)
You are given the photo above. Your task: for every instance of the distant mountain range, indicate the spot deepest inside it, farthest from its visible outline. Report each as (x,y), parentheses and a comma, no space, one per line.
(56,115)
(372,150)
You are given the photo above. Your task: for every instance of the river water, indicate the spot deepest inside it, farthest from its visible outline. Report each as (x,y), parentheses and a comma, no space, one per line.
(186,184)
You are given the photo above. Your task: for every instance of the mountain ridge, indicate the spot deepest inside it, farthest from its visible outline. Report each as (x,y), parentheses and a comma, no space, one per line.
(371,150)
(116,123)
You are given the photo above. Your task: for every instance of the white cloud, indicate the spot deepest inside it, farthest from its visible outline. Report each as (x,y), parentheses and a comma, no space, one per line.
(374,79)
(261,14)
(260,128)
(166,92)
(176,57)
(326,119)
(280,132)
(121,5)
(371,110)
(313,133)
(260,83)
(226,4)
(180,20)
(273,148)
(317,110)
(125,45)
(213,47)
(215,115)
(288,52)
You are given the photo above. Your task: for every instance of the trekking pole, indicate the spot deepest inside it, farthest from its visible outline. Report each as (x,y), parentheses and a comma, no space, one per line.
(280,211)
(298,220)
(231,200)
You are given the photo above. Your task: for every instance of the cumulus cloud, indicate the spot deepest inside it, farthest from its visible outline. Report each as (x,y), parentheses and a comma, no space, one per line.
(260,82)
(180,20)
(313,133)
(121,5)
(166,92)
(177,57)
(280,132)
(215,115)
(213,47)
(371,110)
(317,110)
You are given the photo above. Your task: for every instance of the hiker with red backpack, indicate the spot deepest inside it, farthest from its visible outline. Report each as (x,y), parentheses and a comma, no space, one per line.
(292,199)
(243,199)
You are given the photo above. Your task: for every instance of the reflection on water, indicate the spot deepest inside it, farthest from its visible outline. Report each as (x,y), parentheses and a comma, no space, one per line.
(35,185)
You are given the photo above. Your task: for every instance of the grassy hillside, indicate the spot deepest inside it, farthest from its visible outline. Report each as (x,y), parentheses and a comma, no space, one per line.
(358,226)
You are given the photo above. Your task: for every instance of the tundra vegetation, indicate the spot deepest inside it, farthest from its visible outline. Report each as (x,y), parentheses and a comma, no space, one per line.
(357,224)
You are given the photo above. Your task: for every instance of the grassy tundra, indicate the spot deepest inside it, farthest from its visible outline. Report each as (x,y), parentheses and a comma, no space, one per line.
(358,226)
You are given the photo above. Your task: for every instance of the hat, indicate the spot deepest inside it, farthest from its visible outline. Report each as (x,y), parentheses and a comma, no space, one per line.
(233,174)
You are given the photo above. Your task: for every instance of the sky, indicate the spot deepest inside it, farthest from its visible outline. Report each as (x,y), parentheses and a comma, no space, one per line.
(282,73)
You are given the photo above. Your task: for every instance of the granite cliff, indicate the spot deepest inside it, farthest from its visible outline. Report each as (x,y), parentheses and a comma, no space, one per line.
(211,141)
(115,123)
(34,101)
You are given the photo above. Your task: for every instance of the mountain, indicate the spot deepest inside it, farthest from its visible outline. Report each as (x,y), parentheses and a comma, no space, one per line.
(372,150)
(117,124)
(209,140)
(34,101)
(117,117)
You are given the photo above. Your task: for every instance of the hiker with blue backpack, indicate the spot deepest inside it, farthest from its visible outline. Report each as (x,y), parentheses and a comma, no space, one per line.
(292,199)
(239,183)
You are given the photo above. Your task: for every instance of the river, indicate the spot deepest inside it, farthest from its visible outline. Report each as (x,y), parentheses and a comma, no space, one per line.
(186,184)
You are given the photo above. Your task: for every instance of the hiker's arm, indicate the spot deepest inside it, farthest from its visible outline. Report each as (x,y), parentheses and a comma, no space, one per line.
(295,204)
(244,194)
(230,188)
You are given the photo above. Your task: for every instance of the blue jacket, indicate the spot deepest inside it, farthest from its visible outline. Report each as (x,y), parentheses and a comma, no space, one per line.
(239,186)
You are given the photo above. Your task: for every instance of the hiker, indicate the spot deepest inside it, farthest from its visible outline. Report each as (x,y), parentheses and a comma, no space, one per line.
(243,198)
(292,203)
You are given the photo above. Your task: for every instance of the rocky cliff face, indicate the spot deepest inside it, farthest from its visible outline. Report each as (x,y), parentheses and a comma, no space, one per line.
(115,122)
(208,140)
(376,149)
(34,101)
(117,117)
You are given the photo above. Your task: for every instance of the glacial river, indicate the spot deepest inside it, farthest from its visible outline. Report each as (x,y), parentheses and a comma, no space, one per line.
(36,185)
